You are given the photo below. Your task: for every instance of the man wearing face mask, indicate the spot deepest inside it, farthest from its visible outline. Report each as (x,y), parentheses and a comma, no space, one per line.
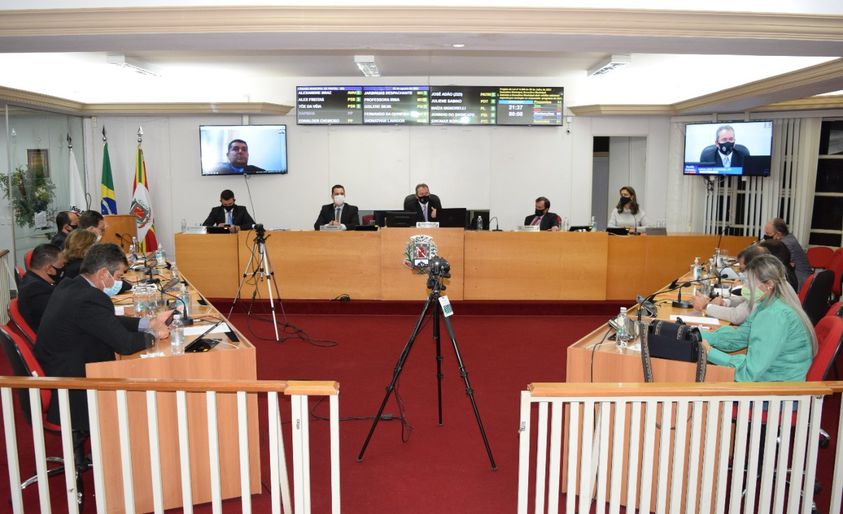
(338,213)
(777,229)
(545,219)
(45,269)
(66,222)
(724,152)
(94,222)
(234,217)
(79,326)
(425,205)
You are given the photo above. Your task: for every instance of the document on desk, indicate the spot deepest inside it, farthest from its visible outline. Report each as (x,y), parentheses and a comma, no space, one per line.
(196,330)
(696,320)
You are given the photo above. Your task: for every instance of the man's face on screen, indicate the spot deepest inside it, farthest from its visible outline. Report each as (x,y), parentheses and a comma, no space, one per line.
(238,155)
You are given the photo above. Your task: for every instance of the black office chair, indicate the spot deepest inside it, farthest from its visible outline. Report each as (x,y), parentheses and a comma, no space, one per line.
(815,294)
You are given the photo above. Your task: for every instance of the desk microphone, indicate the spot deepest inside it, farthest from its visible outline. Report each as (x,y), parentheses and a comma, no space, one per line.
(185,315)
(497,226)
(685,304)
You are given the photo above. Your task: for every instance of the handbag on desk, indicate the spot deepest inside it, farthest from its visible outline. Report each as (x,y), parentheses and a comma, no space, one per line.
(674,341)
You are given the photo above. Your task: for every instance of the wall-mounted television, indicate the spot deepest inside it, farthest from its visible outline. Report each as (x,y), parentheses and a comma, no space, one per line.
(728,148)
(243,149)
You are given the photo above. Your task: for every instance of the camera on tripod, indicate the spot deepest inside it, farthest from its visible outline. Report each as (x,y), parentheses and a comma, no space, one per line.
(439,267)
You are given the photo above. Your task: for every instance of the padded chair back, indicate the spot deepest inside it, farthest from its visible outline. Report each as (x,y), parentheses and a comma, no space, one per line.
(829,338)
(367,219)
(16,319)
(19,273)
(27,259)
(836,265)
(805,286)
(24,364)
(836,309)
(815,293)
(819,256)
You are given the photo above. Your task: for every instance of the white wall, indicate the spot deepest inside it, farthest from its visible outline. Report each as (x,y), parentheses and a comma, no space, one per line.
(500,168)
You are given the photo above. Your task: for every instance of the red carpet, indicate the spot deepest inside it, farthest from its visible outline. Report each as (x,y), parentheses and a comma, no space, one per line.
(441,469)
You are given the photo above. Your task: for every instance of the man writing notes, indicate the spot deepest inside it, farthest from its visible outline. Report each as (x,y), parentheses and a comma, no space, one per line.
(545,219)
(425,205)
(79,326)
(228,214)
(338,213)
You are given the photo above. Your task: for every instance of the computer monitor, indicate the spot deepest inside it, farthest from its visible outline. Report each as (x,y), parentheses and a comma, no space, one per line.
(452,218)
(380,216)
(471,223)
(400,219)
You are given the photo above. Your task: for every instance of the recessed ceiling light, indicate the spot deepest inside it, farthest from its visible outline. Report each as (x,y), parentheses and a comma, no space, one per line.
(458,45)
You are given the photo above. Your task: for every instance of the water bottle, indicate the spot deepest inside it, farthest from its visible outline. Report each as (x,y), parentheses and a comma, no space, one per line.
(479,223)
(593,225)
(697,269)
(176,335)
(623,333)
(174,271)
(161,256)
(133,251)
(184,305)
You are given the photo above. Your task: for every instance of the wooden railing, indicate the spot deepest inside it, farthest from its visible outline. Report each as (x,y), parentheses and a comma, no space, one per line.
(604,445)
(298,391)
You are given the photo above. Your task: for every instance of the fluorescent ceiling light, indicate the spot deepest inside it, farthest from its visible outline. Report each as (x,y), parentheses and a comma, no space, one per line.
(367,65)
(458,45)
(608,64)
(130,63)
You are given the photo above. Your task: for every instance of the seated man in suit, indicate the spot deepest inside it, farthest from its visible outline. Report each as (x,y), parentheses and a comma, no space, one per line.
(338,212)
(66,222)
(724,152)
(229,215)
(37,285)
(79,326)
(238,160)
(545,219)
(425,205)
(92,221)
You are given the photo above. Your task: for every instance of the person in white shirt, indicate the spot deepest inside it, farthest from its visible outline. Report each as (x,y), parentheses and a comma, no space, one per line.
(627,213)
(734,309)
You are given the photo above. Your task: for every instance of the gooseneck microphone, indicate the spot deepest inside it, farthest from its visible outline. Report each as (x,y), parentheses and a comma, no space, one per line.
(185,315)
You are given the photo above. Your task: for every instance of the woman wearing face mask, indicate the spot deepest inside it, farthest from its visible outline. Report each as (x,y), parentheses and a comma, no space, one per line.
(778,337)
(627,213)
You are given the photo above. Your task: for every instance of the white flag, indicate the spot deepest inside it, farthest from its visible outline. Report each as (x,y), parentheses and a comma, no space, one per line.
(77,192)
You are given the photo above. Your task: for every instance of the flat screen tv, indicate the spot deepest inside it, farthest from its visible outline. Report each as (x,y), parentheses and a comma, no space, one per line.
(729,148)
(243,149)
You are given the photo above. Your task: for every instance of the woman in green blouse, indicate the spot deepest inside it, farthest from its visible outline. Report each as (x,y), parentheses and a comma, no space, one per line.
(778,337)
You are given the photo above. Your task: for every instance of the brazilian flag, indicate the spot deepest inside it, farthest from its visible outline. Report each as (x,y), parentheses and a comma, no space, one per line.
(108,205)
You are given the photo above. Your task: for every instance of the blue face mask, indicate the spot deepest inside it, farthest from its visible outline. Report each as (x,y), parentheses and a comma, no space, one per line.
(114,289)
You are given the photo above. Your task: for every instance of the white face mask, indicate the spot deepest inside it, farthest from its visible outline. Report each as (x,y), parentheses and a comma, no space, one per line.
(339,200)
(99,236)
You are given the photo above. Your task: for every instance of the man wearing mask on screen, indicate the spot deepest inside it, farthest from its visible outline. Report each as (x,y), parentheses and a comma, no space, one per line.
(234,217)
(724,152)
(238,160)
(545,219)
(425,205)
(338,213)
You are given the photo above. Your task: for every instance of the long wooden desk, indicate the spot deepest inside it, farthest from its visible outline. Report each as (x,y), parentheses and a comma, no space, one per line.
(484,265)
(222,363)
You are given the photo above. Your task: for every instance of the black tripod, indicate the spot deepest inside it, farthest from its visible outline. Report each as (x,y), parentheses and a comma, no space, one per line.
(439,269)
(259,268)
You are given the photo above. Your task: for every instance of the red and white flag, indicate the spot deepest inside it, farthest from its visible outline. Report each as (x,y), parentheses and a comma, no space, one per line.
(142,206)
